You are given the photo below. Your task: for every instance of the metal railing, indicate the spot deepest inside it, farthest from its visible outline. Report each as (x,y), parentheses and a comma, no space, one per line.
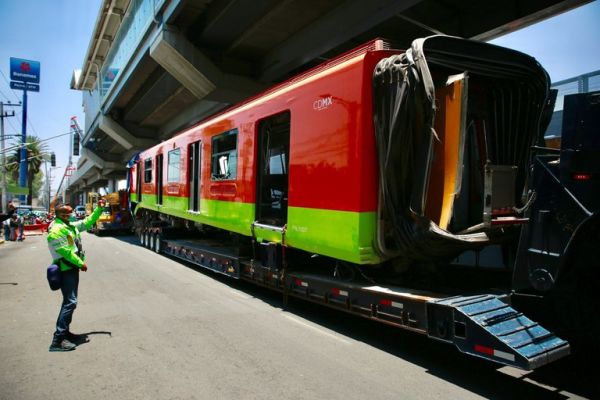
(585,83)
(589,82)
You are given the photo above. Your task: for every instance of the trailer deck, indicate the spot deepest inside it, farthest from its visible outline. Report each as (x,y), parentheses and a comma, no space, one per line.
(482,325)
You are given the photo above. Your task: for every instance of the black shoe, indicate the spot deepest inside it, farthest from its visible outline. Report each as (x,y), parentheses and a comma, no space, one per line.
(63,345)
(76,339)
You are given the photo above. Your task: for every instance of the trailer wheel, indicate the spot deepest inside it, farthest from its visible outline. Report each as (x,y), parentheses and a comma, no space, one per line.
(157,243)
(141,237)
(150,240)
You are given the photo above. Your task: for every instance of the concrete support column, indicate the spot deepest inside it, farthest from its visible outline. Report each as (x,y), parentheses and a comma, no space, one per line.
(183,61)
(122,135)
(196,72)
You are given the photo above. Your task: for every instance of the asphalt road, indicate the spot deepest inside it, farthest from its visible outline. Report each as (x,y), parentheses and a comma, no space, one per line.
(160,329)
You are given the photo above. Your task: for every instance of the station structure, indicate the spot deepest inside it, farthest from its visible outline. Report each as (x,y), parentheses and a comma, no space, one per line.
(155,67)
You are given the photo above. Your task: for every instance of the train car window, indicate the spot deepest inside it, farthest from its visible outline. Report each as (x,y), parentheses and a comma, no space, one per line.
(147,170)
(224,156)
(278,164)
(174,167)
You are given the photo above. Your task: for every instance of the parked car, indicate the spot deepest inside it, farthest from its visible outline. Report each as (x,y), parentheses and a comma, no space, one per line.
(79,212)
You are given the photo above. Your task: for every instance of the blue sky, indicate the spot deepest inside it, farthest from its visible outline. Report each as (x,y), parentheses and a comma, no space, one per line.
(57,34)
(566,45)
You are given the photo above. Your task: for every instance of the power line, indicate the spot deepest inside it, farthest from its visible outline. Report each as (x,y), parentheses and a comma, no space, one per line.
(41,155)
(6,80)
(17,132)
(3,95)
(18,146)
(17,97)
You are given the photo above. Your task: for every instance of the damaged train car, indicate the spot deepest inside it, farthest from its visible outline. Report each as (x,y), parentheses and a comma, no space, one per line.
(397,185)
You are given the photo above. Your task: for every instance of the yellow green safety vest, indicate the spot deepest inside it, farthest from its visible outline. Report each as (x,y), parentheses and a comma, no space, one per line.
(64,241)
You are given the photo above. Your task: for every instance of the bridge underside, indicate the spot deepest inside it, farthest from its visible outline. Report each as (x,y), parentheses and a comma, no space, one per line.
(196,57)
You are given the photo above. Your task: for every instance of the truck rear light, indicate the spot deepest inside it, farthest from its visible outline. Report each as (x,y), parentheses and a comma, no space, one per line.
(581,176)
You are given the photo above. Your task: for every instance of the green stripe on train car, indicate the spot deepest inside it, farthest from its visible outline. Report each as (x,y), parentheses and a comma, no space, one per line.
(232,216)
(344,235)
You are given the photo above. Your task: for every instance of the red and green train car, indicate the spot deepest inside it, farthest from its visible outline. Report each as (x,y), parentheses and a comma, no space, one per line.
(295,165)
(377,169)
(299,164)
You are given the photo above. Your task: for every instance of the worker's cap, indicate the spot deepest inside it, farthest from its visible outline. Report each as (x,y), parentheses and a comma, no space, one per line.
(63,209)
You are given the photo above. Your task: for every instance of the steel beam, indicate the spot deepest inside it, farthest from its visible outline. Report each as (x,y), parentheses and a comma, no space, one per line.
(121,135)
(342,24)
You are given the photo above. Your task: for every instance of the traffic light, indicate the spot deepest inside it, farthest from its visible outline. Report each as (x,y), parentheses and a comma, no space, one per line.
(52,160)
(75,144)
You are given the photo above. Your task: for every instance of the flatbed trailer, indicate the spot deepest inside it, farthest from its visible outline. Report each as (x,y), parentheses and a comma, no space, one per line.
(482,325)
(411,188)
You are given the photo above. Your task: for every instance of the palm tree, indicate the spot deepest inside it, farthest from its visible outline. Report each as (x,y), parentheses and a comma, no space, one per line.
(37,152)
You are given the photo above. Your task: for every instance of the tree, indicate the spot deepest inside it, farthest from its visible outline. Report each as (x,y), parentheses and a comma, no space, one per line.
(37,152)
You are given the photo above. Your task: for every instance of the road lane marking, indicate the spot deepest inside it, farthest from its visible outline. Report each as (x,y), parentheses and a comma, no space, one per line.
(318,330)
(241,294)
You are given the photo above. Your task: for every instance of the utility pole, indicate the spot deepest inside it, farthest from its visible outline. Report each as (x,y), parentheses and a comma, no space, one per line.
(4,114)
(48,184)
(24,165)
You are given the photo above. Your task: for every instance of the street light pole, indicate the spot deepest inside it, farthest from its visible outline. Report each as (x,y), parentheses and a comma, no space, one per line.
(3,186)
(23,166)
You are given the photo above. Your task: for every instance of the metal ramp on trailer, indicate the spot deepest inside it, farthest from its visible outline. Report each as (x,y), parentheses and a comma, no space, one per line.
(484,326)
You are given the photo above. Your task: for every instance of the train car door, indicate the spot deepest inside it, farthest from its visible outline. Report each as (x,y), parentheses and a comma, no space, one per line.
(138,180)
(159,179)
(272,170)
(194,180)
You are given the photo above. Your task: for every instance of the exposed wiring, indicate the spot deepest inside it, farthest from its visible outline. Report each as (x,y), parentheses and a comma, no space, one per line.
(18,146)
(41,155)
(8,83)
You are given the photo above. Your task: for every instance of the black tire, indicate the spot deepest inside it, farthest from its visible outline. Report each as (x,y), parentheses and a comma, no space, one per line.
(157,243)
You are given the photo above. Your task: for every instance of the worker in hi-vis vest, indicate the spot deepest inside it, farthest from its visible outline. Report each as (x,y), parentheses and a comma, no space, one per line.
(64,242)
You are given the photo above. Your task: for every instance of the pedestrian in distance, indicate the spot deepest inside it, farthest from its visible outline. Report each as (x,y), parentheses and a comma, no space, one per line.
(21,227)
(9,213)
(64,242)
(14,224)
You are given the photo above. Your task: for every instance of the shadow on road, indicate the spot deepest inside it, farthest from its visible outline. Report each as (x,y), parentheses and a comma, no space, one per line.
(559,380)
(83,338)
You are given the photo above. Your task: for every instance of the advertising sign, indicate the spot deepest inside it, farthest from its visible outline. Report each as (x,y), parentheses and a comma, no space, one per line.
(24,70)
(30,87)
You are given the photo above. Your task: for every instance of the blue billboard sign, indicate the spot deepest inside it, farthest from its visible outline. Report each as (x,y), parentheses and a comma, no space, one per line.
(30,87)
(24,70)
